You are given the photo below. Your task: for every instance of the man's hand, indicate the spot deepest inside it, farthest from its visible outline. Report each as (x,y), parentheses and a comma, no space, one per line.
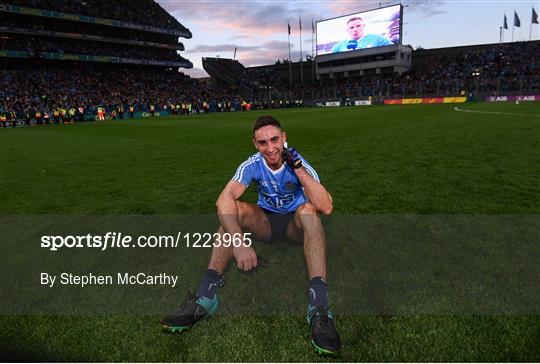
(291,157)
(246,258)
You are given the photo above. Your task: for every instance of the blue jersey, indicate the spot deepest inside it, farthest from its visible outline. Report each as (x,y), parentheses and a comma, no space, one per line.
(280,191)
(368,41)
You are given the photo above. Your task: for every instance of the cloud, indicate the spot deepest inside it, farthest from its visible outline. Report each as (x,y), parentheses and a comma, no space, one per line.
(253,19)
(259,60)
(275,44)
(202,48)
(195,72)
(265,53)
(264,56)
(424,8)
(240,36)
(344,7)
(270,45)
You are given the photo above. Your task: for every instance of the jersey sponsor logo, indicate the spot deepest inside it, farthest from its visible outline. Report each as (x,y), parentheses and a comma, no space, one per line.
(278,200)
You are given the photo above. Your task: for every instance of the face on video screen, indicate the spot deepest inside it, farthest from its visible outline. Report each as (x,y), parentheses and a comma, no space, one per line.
(370,29)
(355,28)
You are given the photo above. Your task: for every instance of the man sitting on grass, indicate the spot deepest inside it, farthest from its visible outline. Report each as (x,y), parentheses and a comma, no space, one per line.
(291,198)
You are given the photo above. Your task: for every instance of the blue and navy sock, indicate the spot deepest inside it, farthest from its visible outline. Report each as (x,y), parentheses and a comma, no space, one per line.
(210,283)
(318,292)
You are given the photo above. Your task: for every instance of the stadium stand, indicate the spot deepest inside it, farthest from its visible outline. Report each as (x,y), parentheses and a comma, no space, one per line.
(228,73)
(146,12)
(72,58)
(117,90)
(50,28)
(483,70)
(67,61)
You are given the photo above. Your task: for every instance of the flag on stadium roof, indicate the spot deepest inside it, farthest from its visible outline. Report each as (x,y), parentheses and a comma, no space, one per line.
(505,24)
(289,28)
(534,17)
(517,23)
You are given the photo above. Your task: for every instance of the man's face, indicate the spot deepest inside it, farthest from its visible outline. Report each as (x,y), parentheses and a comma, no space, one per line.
(356,29)
(269,142)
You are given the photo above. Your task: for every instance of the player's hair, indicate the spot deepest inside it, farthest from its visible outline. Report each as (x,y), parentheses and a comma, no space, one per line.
(353,19)
(265,121)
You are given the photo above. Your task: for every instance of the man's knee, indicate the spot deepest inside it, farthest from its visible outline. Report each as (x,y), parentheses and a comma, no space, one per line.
(307,209)
(244,210)
(307,217)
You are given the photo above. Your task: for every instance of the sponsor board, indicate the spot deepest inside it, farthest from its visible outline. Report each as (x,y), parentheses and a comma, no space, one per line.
(333,103)
(425,100)
(433,100)
(136,115)
(362,102)
(411,101)
(513,98)
(156,113)
(452,100)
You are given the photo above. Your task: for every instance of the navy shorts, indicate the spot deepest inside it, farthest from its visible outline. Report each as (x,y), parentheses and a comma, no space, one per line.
(278,225)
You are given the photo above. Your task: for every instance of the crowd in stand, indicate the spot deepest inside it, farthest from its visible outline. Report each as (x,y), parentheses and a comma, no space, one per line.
(145,12)
(29,91)
(57,45)
(491,70)
(89,29)
(44,89)
(133,11)
(513,66)
(263,79)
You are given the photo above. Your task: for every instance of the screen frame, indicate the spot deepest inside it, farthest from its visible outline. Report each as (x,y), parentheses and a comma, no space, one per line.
(358,13)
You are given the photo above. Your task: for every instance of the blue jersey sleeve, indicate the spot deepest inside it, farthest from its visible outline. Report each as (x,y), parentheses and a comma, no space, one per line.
(310,170)
(245,173)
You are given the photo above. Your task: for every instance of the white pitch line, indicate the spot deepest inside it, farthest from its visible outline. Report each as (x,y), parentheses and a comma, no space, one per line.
(493,112)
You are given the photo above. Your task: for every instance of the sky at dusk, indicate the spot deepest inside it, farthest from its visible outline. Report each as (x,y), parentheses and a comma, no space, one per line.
(258,29)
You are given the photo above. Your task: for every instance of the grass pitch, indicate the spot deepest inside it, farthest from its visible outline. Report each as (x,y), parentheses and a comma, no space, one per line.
(410,159)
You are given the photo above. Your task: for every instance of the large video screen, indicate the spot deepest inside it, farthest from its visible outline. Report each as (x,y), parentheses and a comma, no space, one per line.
(368,29)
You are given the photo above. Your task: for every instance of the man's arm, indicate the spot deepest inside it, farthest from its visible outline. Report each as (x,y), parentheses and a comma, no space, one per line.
(228,217)
(317,195)
(315,192)
(227,209)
